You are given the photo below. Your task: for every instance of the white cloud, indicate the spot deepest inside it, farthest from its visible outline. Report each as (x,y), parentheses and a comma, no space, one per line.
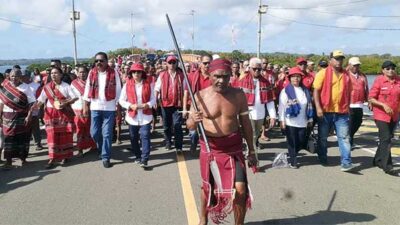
(44,13)
(353,21)
(4,25)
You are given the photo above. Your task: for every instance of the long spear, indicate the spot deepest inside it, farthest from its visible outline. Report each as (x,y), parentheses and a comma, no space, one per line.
(213,165)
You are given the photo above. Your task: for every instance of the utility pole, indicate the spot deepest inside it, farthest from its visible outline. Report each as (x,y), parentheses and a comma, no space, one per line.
(133,35)
(192,13)
(262,9)
(75,15)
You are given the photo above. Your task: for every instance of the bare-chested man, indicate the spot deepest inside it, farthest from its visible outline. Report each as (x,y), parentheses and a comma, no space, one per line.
(223,109)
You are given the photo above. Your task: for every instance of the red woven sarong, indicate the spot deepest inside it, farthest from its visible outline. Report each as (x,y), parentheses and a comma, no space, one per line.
(59,130)
(225,151)
(82,129)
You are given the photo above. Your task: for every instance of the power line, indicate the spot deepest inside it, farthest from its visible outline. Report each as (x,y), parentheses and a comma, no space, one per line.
(48,28)
(333,26)
(343,14)
(325,5)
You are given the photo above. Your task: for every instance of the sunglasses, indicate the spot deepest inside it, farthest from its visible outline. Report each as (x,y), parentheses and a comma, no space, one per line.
(257,69)
(172,62)
(339,58)
(390,68)
(99,60)
(136,71)
(206,63)
(302,64)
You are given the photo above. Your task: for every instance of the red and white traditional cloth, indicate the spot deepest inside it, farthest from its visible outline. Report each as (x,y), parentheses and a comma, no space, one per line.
(59,124)
(82,124)
(225,151)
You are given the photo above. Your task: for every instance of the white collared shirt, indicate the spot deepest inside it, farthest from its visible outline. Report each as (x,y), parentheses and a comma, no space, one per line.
(34,87)
(300,120)
(257,111)
(27,91)
(140,118)
(101,103)
(65,90)
(78,104)
(158,84)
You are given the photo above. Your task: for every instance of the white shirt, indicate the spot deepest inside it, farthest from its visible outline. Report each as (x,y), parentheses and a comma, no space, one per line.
(158,84)
(27,91)
(101,103)
(78,104)
(257,111)
(65,90)
(34,87)
(301,119)
(140,118)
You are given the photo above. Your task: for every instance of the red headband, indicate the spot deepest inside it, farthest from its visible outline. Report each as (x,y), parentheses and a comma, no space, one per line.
(220,64)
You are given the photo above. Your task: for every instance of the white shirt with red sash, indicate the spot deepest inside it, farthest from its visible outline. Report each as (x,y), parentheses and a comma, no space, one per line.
(27,91)
(140,118)
(101,103)
(65,90)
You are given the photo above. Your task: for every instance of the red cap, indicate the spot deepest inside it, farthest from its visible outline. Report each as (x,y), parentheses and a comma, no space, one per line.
(171,58)
(295,70)
(300,59)
(219,64)
(136,67)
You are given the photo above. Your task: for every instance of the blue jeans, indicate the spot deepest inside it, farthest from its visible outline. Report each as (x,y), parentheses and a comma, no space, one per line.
(142,132)
(101,130)
(341,123)
(194,138)
(171,117)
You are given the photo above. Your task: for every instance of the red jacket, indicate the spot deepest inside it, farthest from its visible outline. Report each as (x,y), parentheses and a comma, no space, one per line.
(359,92)
(171,90)
(248,87)
(389,93)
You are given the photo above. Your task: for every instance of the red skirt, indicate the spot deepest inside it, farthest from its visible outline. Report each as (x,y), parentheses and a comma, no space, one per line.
(82,125)
(225,151)
(59,130)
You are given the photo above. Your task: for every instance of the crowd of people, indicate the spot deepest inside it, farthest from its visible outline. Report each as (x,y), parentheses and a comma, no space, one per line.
(239,102)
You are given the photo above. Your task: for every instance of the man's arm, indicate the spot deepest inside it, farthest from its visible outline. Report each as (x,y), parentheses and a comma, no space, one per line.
(317,85)
(194,117)
(245,121)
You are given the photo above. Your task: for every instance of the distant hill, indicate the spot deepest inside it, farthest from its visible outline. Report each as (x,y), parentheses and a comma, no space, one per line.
(36,61)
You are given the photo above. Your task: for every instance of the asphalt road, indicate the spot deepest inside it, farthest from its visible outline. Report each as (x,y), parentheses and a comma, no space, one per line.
(83,192)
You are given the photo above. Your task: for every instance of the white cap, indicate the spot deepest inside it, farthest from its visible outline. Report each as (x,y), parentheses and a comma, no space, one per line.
(309,63)
(215,56)
(354,61)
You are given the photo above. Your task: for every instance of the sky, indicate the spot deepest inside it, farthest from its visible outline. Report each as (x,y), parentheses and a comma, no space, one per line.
(42,28)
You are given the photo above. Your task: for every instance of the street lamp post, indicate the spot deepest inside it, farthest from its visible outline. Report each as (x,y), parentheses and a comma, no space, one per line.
(262,9)
(133,35)
(75,15)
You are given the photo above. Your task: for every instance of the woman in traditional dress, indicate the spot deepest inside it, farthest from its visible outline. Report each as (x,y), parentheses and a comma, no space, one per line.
(82,124)
(16,99)
(58,118)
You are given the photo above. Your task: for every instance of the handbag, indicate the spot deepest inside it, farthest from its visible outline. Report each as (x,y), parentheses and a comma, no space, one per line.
(312,143)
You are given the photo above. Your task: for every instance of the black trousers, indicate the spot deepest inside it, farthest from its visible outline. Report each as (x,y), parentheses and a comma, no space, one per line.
(356,115)
(383,156)
(295,137)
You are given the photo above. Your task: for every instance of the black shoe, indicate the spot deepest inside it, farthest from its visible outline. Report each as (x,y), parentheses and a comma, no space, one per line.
(392,172)
(138,161)
(179,151)
(168,146)
(107,164)
(143,164)
(50,166)
(39,147)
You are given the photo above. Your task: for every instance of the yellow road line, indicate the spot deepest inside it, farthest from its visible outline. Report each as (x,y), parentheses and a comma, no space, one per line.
(190,204)
(395,150)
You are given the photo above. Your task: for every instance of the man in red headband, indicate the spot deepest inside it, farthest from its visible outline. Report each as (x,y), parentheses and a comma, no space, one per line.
(219,107)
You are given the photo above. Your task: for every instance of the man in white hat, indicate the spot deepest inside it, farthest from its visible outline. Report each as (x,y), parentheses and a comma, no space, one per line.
(359,95)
